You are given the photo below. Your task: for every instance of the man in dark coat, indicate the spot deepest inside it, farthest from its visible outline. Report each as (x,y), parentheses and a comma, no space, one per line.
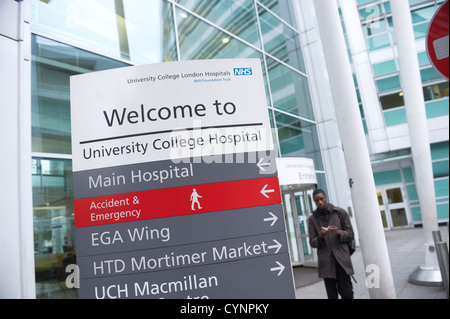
(329,231)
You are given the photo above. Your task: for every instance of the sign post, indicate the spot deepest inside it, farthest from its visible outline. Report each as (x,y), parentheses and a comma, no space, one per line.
(438,40)
(175,183)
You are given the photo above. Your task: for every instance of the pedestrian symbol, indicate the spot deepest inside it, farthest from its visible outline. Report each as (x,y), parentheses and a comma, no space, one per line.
(194,199)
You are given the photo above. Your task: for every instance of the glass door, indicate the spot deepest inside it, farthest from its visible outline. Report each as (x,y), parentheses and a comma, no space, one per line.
(393,206)
(303,201)
(293,232)
(297,205)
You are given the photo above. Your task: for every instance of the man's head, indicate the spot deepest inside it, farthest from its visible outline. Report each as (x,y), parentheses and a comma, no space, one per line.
(320,199)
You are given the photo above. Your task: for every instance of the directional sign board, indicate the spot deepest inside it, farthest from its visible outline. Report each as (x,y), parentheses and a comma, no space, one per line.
(438,40)
(175,183)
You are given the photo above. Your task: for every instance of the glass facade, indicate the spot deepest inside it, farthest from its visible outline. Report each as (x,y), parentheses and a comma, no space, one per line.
(79,36)
(378,28)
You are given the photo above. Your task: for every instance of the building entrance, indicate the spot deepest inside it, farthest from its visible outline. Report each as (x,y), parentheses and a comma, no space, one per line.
(393,206)
(297,179)
(298,208)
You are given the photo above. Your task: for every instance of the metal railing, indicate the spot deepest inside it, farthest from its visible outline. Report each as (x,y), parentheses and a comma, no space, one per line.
(442,254)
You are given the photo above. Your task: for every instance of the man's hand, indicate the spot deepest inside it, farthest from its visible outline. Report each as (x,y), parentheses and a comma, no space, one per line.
(333,229)
(323,232)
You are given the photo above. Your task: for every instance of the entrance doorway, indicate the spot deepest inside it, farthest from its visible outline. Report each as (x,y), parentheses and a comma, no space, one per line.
(393,206)
(298,208)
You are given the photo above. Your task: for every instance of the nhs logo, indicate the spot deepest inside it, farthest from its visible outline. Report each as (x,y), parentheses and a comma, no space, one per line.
(243,71)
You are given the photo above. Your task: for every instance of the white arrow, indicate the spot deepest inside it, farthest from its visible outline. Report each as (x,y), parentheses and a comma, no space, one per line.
(280,268)
(273,219)
(264,191)
(277,246)
(261,165)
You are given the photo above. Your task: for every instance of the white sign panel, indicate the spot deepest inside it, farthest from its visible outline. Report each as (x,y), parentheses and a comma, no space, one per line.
(168,111)
(296,170)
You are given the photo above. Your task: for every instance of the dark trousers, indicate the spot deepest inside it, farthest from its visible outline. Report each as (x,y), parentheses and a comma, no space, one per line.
(342,285)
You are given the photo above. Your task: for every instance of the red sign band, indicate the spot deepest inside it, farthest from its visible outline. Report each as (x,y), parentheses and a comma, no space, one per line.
(176,201)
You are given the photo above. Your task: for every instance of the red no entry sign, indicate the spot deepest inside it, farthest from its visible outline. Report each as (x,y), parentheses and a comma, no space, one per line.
(438,41)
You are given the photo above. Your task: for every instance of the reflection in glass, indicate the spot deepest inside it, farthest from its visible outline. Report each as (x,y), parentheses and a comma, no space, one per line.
(290,90)
(378,42)
(150,31)
(235,16)
(436,91)
(298,138)
(423,14)
(137,30)
(54,236)
(399,217)
(198,40)
(290,225)
(52,65)
(394,195)
(281,41)
(303,202)
(274,133)
(384,219)
(283,9)
(392,101)
(380,197)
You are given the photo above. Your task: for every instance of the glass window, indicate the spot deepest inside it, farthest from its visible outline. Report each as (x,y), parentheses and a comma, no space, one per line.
(371,12)
(283,9)
(53,220)
(408,175)
(378,42)
(281,41)
(52,65)
(440,169)
(414,2)
(399,217)
(442,188)
(430,74)
(290,90)
(387,84)
(387,177)
(384,68)
(392,101)
(374,26)
(395,117)
(127,29)
(380,197)
(423,58)
(390,23)
(440,150)
(435,91)
(298,138)
(394,195)
(383,218)
(420,31)
(437,108)
(199,40)
(422,14)
(273,128)
(363,1)
(235,16)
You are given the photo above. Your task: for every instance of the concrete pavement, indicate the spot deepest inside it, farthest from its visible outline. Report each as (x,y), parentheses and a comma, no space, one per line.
(406,253)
